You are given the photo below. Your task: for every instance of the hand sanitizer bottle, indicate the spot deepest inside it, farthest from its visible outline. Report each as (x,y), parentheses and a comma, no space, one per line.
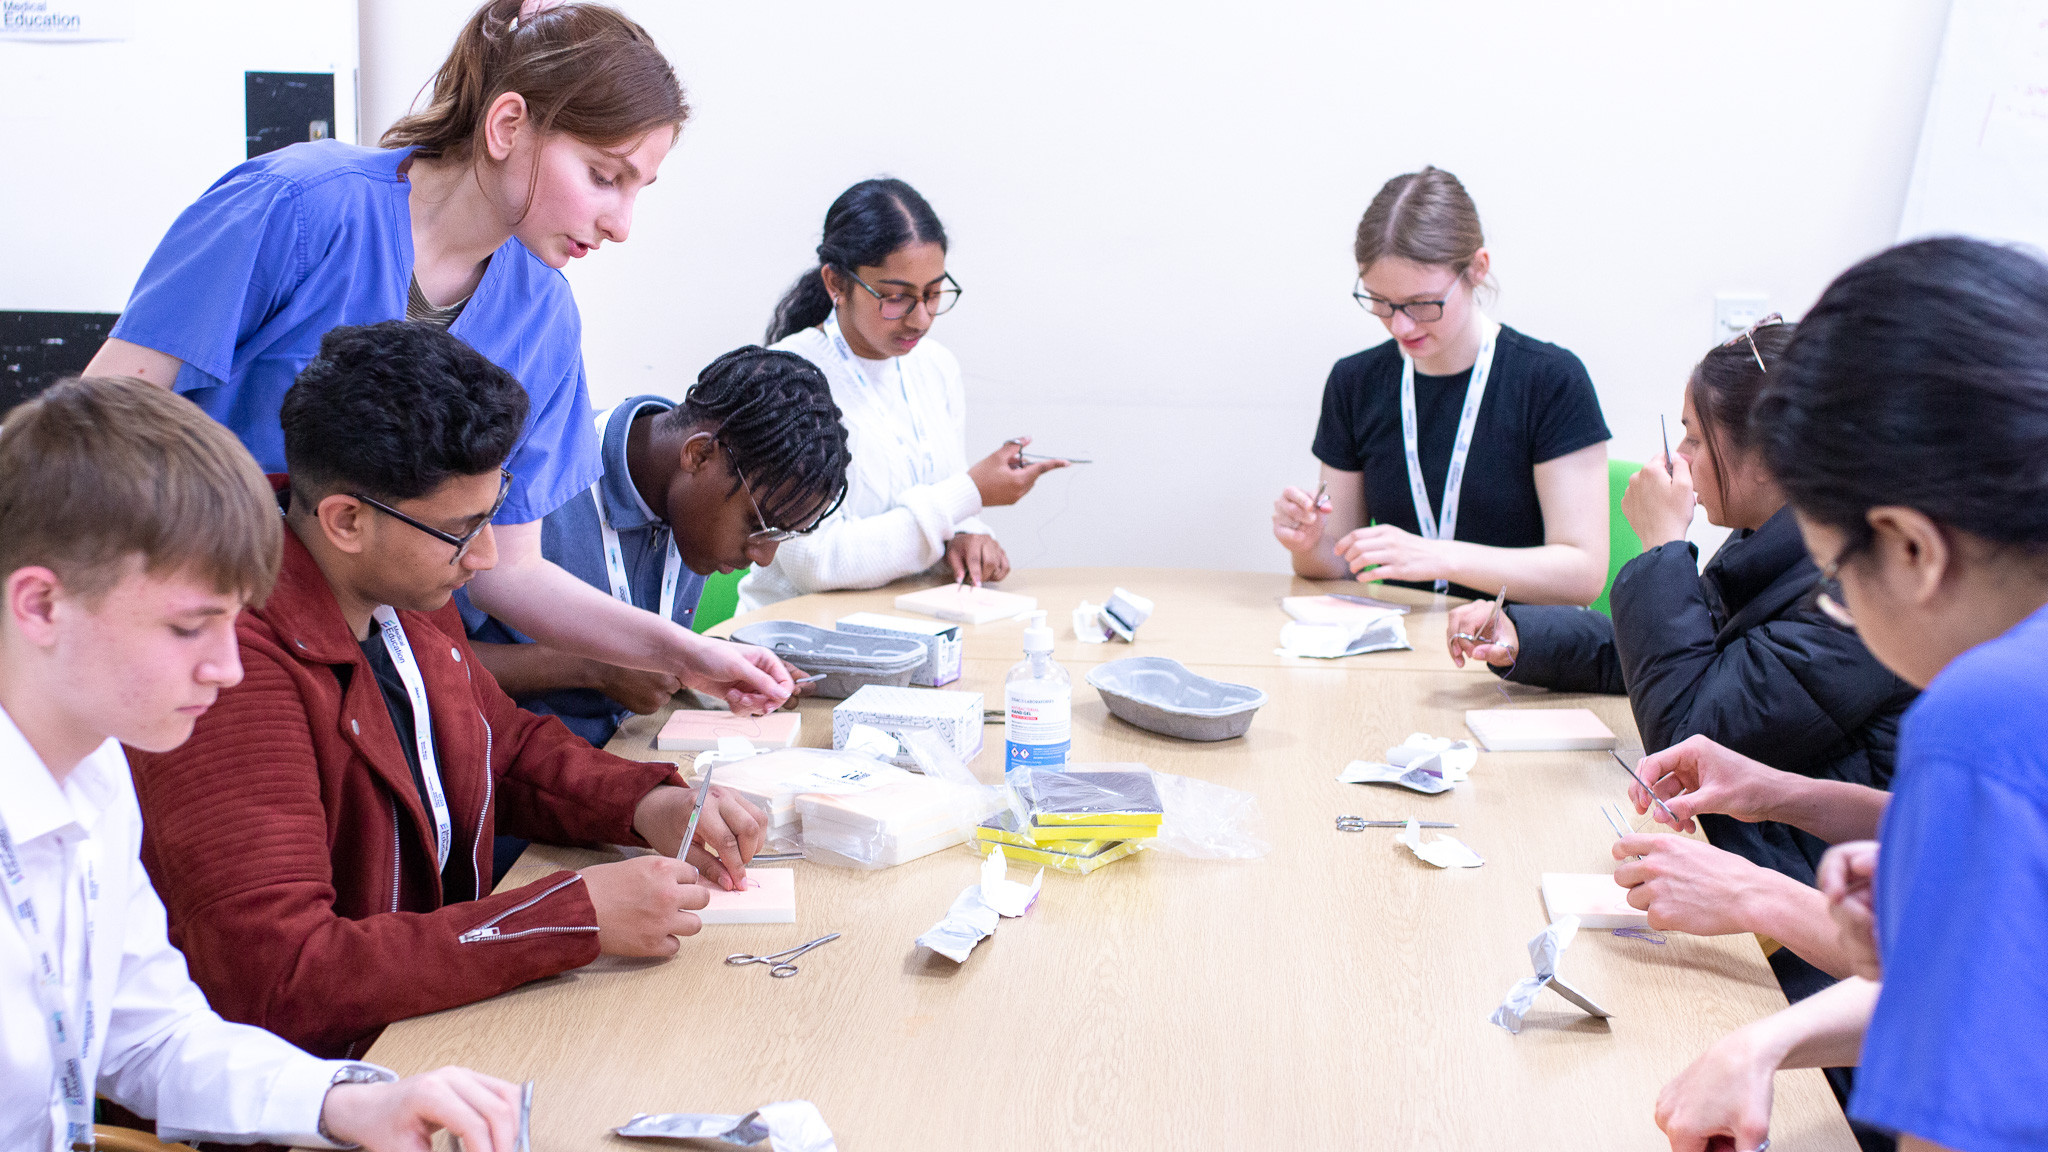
(1038,702)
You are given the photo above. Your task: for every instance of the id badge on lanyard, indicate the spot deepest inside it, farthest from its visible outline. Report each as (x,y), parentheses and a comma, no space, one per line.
(615,556)
(911,441)
(1446,527)
(68,1027)
(422,726)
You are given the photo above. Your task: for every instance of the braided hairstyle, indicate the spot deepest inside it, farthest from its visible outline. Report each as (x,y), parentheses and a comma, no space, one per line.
(869,221)
(774,413)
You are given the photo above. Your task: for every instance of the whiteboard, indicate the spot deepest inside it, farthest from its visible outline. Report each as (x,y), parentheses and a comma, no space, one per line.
(1982,165)
(106,142)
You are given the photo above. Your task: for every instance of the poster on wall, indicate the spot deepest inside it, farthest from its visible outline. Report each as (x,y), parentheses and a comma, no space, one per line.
(66,19)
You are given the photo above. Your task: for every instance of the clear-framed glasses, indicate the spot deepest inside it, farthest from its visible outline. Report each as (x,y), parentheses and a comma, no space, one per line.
(1749,334)
(937,300)
(1420,311)
(461,543)
(769,535)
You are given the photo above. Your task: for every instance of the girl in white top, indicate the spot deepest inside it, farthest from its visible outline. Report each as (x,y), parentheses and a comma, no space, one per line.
(862,316)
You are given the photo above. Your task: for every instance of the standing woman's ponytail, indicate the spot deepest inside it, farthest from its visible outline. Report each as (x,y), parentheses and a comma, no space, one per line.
(865,226)
(583,69)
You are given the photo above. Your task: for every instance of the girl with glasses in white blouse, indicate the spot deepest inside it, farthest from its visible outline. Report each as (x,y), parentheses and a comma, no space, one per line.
(864,317)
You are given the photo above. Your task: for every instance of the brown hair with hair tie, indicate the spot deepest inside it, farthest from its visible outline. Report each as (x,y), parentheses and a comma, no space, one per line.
(583,69)
(1425,217)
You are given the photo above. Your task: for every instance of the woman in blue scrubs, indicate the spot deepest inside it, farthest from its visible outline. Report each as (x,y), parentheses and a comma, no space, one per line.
(544,125)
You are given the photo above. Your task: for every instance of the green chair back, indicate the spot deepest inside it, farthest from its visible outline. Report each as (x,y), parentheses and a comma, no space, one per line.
(721,598)
(1622,542)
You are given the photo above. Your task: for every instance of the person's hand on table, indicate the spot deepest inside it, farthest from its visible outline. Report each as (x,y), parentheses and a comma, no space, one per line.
(1659,501)
(643,904)
(1470,620)
(1004,476)
(1298,519)
(402,1116)
(750,679)
(1392,553)
(1697,775)
(1848,878)
(1687,885)
(728,834)
(976,557)
(633,689)
(1721,1102)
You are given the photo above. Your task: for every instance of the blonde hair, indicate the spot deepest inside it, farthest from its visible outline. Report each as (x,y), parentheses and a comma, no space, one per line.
(99,470)
(1426,217)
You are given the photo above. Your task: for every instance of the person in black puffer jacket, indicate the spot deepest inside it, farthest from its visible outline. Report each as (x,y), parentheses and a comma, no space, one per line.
(1741,653)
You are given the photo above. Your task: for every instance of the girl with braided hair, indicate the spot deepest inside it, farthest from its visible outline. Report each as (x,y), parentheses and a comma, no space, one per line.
(864,317)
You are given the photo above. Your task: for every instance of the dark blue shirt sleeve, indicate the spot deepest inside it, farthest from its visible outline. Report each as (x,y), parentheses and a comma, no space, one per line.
(228,262)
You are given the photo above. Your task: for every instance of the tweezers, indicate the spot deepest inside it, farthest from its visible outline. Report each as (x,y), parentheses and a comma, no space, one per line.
(1638,779)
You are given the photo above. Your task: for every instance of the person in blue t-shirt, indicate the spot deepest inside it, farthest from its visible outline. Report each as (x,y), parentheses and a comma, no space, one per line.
(542,129)
(1908,425)
(688,489)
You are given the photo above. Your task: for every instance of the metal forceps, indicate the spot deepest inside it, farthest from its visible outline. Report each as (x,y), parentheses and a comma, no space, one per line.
(780,963)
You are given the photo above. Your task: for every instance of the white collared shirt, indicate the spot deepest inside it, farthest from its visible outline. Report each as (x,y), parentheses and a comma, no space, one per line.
(907,488)
(156,1048)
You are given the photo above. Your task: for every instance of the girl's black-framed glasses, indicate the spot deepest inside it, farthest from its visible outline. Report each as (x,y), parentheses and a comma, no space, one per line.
(1420,311)
(897,305)
(461,543)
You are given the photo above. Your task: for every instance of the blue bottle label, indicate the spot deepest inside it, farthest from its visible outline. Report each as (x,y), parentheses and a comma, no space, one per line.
(1017,755)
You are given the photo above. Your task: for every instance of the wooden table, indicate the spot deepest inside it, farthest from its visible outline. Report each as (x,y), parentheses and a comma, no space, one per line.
(1334,993)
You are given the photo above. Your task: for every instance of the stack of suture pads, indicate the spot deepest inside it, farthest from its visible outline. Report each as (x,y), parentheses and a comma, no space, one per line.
(1079,819)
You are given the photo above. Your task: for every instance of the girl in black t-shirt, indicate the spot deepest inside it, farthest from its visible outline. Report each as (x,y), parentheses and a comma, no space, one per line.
(1521,450)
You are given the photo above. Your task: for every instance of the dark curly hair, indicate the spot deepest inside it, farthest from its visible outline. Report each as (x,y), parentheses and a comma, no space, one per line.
(774,412)
(1919,379)
(393,410)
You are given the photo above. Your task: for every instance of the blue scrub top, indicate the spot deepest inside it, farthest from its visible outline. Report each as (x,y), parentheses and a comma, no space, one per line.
(315,236)
(571,537)
(1957,1048)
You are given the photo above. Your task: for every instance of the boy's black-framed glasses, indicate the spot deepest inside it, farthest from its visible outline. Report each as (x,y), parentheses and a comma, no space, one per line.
(461,543)
(766,534)
(897,305)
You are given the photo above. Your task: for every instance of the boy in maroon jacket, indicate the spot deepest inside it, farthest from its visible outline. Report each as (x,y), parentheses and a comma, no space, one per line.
(323,842)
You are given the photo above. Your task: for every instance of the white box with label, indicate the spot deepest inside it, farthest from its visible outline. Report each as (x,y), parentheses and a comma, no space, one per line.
(955,716)
(941,641)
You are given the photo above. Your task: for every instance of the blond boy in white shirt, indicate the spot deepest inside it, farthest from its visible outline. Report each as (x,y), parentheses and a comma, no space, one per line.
(133,529)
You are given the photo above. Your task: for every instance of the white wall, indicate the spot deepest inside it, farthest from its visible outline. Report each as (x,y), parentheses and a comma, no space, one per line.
(1151,206)
(104,143)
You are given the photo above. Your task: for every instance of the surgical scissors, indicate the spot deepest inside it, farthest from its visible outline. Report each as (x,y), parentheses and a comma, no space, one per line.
(779,963)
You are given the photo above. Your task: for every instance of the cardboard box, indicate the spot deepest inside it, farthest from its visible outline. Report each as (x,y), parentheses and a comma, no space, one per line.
(955,716)
(941,640)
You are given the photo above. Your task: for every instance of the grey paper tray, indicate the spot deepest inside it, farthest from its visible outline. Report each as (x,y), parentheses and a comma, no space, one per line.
(849,662)
(1161,695)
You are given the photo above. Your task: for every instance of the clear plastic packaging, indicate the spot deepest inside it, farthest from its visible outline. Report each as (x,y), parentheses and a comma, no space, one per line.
(787,1125)
(922,813)
(1196,818)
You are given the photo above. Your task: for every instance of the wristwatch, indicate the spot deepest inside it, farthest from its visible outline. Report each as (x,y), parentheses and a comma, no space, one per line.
(351,1074)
